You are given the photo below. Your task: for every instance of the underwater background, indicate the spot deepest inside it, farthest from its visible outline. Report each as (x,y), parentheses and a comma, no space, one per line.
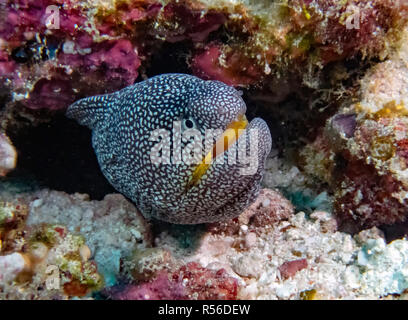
(328,220)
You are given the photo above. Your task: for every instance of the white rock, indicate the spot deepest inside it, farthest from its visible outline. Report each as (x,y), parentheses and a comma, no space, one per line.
(10,266)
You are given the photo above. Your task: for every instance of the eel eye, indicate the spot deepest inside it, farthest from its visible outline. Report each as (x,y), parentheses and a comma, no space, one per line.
(189,123)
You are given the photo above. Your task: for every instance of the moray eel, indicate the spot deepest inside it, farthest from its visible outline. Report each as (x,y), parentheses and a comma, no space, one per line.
(207,190)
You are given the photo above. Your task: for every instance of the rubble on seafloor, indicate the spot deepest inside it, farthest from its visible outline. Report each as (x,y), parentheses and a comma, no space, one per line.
(330,77)
(44,261)
(268,252)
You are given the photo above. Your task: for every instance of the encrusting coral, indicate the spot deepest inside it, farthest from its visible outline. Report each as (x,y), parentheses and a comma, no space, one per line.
(287,256)
(64,243)
(8,155)
(52,264)
(99,46)
(276,37)
(361,153)
(189,282)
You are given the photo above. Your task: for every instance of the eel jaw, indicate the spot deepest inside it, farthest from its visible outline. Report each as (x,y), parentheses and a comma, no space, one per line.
(226,140)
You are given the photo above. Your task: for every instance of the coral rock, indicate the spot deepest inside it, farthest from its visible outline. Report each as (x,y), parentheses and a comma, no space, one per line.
(204,284)
(290,268)
(112,228)
(268,209)
(362,151)
(8,155)
(189,282)
(10,266)
(146,263)
(161,288)
(183,21)
(225,64)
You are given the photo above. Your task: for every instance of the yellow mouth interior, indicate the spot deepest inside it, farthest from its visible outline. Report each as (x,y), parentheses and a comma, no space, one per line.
(228,138)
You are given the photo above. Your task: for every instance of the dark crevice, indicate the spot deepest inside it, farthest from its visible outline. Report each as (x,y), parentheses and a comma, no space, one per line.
(394,232)
(59,156)
(171,58)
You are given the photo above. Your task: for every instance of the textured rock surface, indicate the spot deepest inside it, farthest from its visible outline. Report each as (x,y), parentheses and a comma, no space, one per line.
(99,46)
(113,228)
(295,257)
(269,208)
(53,264)
(361,153)
(11,265)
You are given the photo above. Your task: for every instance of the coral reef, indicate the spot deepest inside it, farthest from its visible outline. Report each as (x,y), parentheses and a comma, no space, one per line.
(189,282)
(329,77)
(361,152)
(11,266)
(57,233)
(290,268)
(281,255)
(103,46)
(13,215)
(52,264)
(113,228)
(299,258)
(274,37)
(8,155)
(269,208)
(146,264)
(54,52)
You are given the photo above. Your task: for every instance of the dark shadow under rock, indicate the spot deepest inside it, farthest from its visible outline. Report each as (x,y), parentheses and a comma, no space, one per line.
(59,155)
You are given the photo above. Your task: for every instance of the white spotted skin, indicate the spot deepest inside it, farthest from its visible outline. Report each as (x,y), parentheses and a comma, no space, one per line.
(122,123)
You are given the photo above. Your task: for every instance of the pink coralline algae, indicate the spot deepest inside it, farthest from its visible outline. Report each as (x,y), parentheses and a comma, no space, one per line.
(160,288)
(362,151)
(183,21)
(377,195)
(189,282)
(101,47)
(50,66)
(115,60)
(290,268)
(234,69)
(124,18)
